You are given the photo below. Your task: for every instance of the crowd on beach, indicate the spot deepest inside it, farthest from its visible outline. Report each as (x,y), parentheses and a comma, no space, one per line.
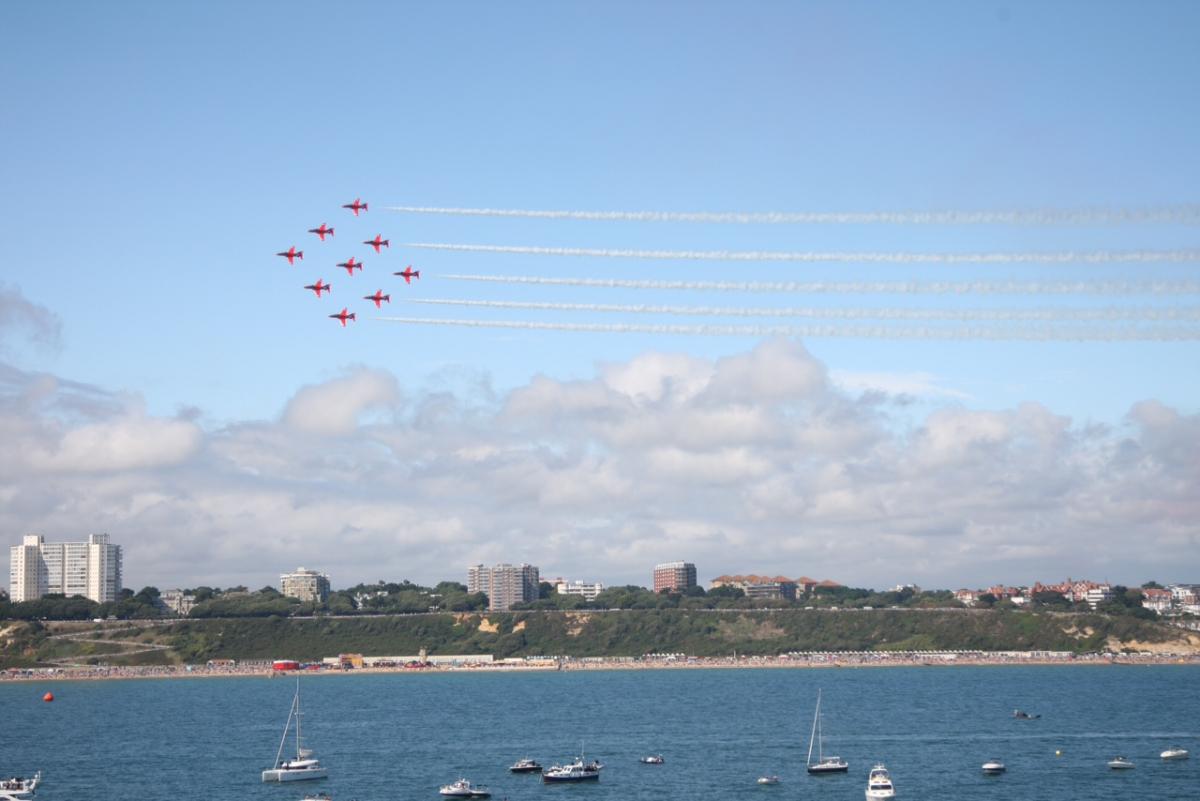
(826,659)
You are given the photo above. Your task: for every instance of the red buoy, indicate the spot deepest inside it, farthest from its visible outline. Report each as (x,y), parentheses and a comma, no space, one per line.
(48,697)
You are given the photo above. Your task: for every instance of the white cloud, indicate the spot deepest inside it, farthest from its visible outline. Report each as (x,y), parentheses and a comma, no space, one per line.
(128,443)
(337,406)
(751,463)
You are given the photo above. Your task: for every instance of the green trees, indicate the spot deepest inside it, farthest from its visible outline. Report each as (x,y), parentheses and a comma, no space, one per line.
(58,607)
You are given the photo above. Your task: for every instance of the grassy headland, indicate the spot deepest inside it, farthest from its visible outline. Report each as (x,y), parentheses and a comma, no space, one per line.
(589,633)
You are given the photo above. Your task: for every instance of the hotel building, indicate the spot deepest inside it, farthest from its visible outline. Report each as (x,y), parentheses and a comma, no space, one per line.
(674,576)
(305,584)
(504,584)
(91,569)
(588,589)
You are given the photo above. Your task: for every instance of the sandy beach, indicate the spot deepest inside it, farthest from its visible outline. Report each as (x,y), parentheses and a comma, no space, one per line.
(830,660)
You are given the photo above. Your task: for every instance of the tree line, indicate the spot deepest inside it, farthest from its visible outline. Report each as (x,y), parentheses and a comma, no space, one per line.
(405,597)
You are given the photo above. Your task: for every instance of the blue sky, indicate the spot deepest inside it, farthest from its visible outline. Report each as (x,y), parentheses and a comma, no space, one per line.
(157,155)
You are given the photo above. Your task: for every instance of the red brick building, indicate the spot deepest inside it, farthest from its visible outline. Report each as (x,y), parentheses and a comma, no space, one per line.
(674,576)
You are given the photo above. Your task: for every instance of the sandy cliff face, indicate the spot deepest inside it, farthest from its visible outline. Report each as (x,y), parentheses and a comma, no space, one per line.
(1187,643)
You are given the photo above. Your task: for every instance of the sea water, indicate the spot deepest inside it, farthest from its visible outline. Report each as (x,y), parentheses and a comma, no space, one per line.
(398,737)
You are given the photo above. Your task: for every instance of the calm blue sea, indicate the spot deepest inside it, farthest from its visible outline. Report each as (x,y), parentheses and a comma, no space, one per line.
(398,737)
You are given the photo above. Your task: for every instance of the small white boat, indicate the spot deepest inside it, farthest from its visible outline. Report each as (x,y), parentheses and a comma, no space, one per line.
(18,787)
(316,797)
(464,789)
(1120,763)
(772,779)
(1175,752)
(879,784)
(993,766)
(653,759)
(304,766)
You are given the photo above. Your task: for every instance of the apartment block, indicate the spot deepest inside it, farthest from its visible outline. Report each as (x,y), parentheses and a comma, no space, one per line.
(91,569)
(305,584)
(674,576)
(504,584)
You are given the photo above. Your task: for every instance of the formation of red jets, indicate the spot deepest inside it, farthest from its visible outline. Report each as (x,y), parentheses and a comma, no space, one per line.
(349,265)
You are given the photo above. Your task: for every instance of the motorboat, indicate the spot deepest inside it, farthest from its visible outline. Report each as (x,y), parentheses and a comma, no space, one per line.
(1120,763)
(824,764)
(316,797)
(1022,715)
(879,784)
(457,789)
(653,759)
(525,765)
(464,789)
(577,771)
(1175,752)
(18,787)
(993,767)
(772,779)
(304,766)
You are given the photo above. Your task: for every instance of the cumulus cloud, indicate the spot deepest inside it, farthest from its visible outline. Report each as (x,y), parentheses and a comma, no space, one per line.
(756,462)
(337,406)
(128,443)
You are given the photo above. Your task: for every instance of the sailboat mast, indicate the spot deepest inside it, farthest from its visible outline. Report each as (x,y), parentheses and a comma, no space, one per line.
(299,755)
(820,734)
(813,735)
(286,726)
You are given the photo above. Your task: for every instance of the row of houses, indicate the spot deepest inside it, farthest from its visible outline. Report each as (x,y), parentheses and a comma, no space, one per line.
(1176,598)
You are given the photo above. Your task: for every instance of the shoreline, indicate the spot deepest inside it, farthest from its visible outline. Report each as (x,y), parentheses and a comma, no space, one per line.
(852,660)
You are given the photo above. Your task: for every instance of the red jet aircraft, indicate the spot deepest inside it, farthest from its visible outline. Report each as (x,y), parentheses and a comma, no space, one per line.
(319,287)
(377,242)
(291,253)
(377,297)
(343,316)
(351,265)
(355,207)
(321,231)
(409,274)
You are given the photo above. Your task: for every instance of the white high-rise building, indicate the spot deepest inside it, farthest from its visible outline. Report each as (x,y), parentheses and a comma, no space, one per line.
(504,585)
(91,569)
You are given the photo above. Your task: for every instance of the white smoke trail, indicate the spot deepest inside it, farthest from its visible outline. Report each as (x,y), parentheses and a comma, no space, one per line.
(1024,332)
(1182,214)
(899,257)
(1109,314)
(864,287)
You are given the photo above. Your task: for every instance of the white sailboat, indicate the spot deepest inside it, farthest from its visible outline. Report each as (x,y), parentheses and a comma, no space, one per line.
(304,766)
(824,764)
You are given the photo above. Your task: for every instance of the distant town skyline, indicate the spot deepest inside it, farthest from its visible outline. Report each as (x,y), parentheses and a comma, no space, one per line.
(524,577)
